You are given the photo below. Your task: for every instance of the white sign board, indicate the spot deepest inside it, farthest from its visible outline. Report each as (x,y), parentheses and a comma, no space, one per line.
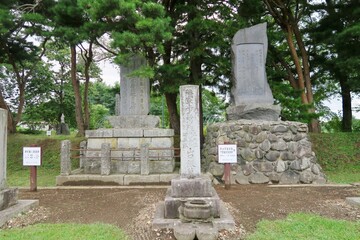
(32,156)
(48,133)
(227,153)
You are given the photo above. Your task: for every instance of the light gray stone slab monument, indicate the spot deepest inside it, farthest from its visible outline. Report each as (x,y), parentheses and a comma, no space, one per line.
(10,206)
(3,140)
(190,131)
(133,104)
(134,90)
(191,202)
(251,96)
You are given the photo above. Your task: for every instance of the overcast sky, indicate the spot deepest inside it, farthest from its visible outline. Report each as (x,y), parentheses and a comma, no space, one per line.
(111,75)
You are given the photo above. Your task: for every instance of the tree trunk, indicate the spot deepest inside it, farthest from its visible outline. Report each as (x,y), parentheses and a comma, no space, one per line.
(346,106)
(173,113)
(77,94)
(21,103)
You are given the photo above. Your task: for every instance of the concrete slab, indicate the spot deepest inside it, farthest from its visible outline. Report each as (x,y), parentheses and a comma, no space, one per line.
(21,206)
(166,178)
(355,201)
(114,179)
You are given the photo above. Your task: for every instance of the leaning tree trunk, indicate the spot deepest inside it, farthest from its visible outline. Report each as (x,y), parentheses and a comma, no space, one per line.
(77,94)
(173,113)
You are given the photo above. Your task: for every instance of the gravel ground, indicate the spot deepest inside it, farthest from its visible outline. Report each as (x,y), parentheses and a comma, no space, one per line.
(132,209)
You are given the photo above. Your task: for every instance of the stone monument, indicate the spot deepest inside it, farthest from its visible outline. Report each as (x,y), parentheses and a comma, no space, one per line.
(134,101)
(136,144)
(268,150)
(192,206)
(9,204)
(251,96)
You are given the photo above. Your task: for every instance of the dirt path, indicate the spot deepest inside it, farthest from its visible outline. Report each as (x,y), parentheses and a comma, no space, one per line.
(132,209)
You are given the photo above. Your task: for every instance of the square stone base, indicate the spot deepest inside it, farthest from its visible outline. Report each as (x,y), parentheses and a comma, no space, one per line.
(172,204)
(225,221)
(196,187)
(8,197)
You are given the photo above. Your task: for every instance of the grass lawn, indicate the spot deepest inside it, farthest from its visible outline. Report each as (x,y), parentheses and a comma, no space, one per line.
(64,232)
(306,226)
(17,175)
(339,155)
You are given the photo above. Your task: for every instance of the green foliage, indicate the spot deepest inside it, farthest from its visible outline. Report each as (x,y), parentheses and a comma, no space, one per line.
(292,109)
(65,232)
(100,93)
(98,116)
(306,226)
(213,107)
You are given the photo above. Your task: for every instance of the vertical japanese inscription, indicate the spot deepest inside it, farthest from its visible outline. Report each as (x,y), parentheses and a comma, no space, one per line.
(190,131)
(250,70)
(134,90)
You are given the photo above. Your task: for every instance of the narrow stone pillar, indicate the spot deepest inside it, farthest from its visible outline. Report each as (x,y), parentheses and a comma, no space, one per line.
(3,143)
(105,159)
(144,157)
(82,153)
(65,165)
(190,131)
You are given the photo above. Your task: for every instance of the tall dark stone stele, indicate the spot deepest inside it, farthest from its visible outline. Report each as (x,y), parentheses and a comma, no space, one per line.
(251,96)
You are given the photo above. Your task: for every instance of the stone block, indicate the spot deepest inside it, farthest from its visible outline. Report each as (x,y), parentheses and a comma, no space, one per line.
(99,133)
(158,132)
(141,179)
(162,142)
(92,166)
(206,232)
(161,166)
(196,187)
(95,143)
(128,132)
(258,177)
(13,211)
(167,177)
(267,112)
(289,177)
(134,167)
(8,198)
(184,232)
(134,121)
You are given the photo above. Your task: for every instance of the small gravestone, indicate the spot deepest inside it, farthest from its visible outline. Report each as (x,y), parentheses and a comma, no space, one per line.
(251,96)
(62,128)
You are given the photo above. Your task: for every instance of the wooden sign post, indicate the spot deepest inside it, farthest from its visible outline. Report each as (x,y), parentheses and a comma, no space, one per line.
(32,158)
(227,154)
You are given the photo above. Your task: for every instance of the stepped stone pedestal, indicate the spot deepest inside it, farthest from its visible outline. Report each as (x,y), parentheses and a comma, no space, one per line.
(191,203)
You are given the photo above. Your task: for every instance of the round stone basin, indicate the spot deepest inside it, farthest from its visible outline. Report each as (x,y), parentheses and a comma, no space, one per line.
(197,209)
